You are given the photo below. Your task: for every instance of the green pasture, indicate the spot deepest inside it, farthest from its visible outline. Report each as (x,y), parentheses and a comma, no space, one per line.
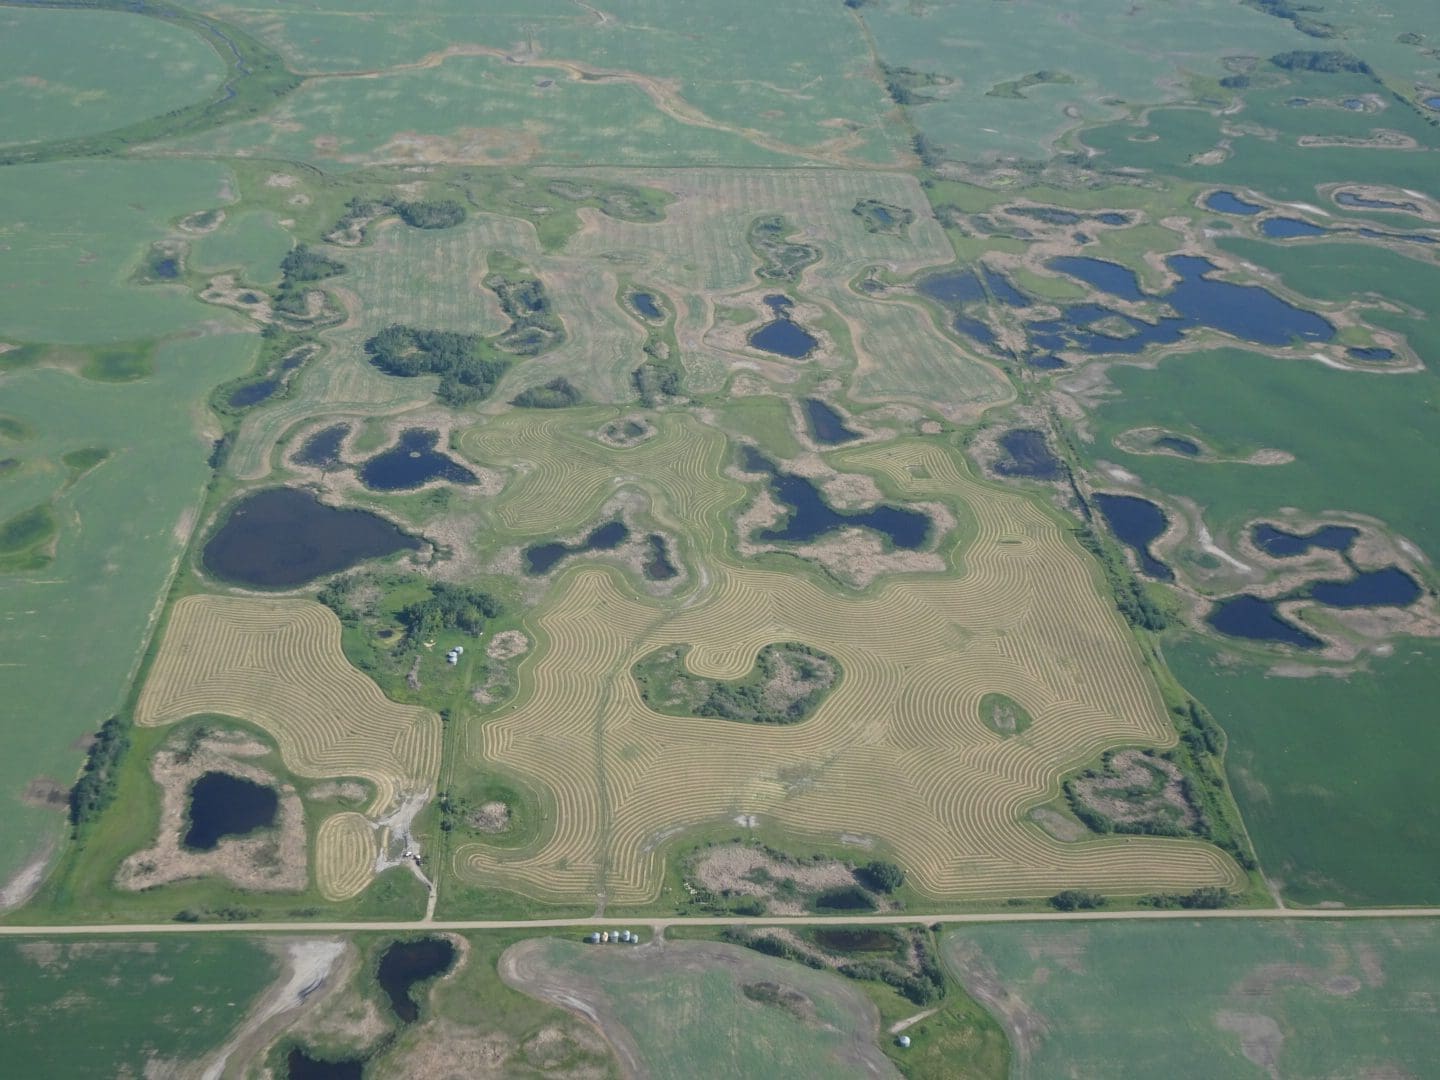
(694,1018)
(252,242)
(69,73)
(1209,998)
(1363,442)
(81,1008)
(75,628)
(1330,772)
(1115,53)
(1265,154)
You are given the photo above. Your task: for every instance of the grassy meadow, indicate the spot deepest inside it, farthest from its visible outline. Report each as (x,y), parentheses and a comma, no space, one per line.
(1203,999)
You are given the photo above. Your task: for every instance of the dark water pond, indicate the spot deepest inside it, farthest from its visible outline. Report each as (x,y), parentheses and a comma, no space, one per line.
(411,462)
(282,537)
(847,940)
(1391,587)
(1370,355)
(253,394)
(1377,234)
(1050,215)
(299,1065)
(166,268)
(811,516)
(1101,274)
(1046,362)
(1248,312)
(645,304)
(322,450)
(1111,217)
(1004,290)
(657,565)
(1283,545)
(539,558)
(406,963)
(1028,454)
(222,805)
(1349,198)
(1432,102)
(1247,616)
(1178,445)
(1286,228)
(826,425)
(784,337)
(1354,104)
(976,329)
(1137,522)
(953,288)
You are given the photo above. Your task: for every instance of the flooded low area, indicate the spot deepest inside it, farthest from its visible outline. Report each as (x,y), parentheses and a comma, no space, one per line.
(1248,312)
(1370,354)
(1003,290)
(412,462)
(1045,362)
(953,288)
(1276,541)
(322,450)
(657,565)
(541,558)
(1361,202)
(283,537)
(1137,523)
(1028,454)
(812,517)
(223,805)
(253,394)
(1250,617)
(405,964)
(784,337)
(826,425)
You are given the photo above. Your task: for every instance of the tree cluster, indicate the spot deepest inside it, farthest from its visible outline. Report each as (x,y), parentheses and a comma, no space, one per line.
(1206,898)
(449,607)
(466,373)
(1329,62)
(1077,900)
(558,393)
(95,789)
(881,875)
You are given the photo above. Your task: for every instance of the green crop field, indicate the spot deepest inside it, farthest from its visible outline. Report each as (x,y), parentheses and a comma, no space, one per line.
(144,1006)
(1203,999)
(69,73)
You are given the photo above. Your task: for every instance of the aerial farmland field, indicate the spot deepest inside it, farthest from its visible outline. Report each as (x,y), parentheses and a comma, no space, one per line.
(645,538)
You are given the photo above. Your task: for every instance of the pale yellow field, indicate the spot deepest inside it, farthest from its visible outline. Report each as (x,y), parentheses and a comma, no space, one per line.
(278,664)
(897,752)
(345,853)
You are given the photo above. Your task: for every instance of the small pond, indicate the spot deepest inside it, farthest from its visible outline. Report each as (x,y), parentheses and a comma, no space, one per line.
(322,450)
(1101,274)
(411,462)
(657,565)
(1178,445)
(1412,238)
(406,963)
(645,304)
(222,805)
(1247,616)
(540,558)
(1050,215)
(1112,217)
(975,328)
(1137,522)
(1283,545)
(282,537)
(299,1065)
(253,394)
(812,517)
(1003,290)
(166,268)
(953,288)
(826,425)
(1028,455)
(1361,202)
(1432,102)
(784,337)
(1370,354)
(1046,362)
(1287,228)
(1390,587)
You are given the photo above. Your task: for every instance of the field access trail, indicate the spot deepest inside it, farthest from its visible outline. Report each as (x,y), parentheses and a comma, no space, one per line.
(658,925)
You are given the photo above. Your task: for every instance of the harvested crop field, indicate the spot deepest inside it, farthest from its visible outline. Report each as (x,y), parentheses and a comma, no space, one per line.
(897,751)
